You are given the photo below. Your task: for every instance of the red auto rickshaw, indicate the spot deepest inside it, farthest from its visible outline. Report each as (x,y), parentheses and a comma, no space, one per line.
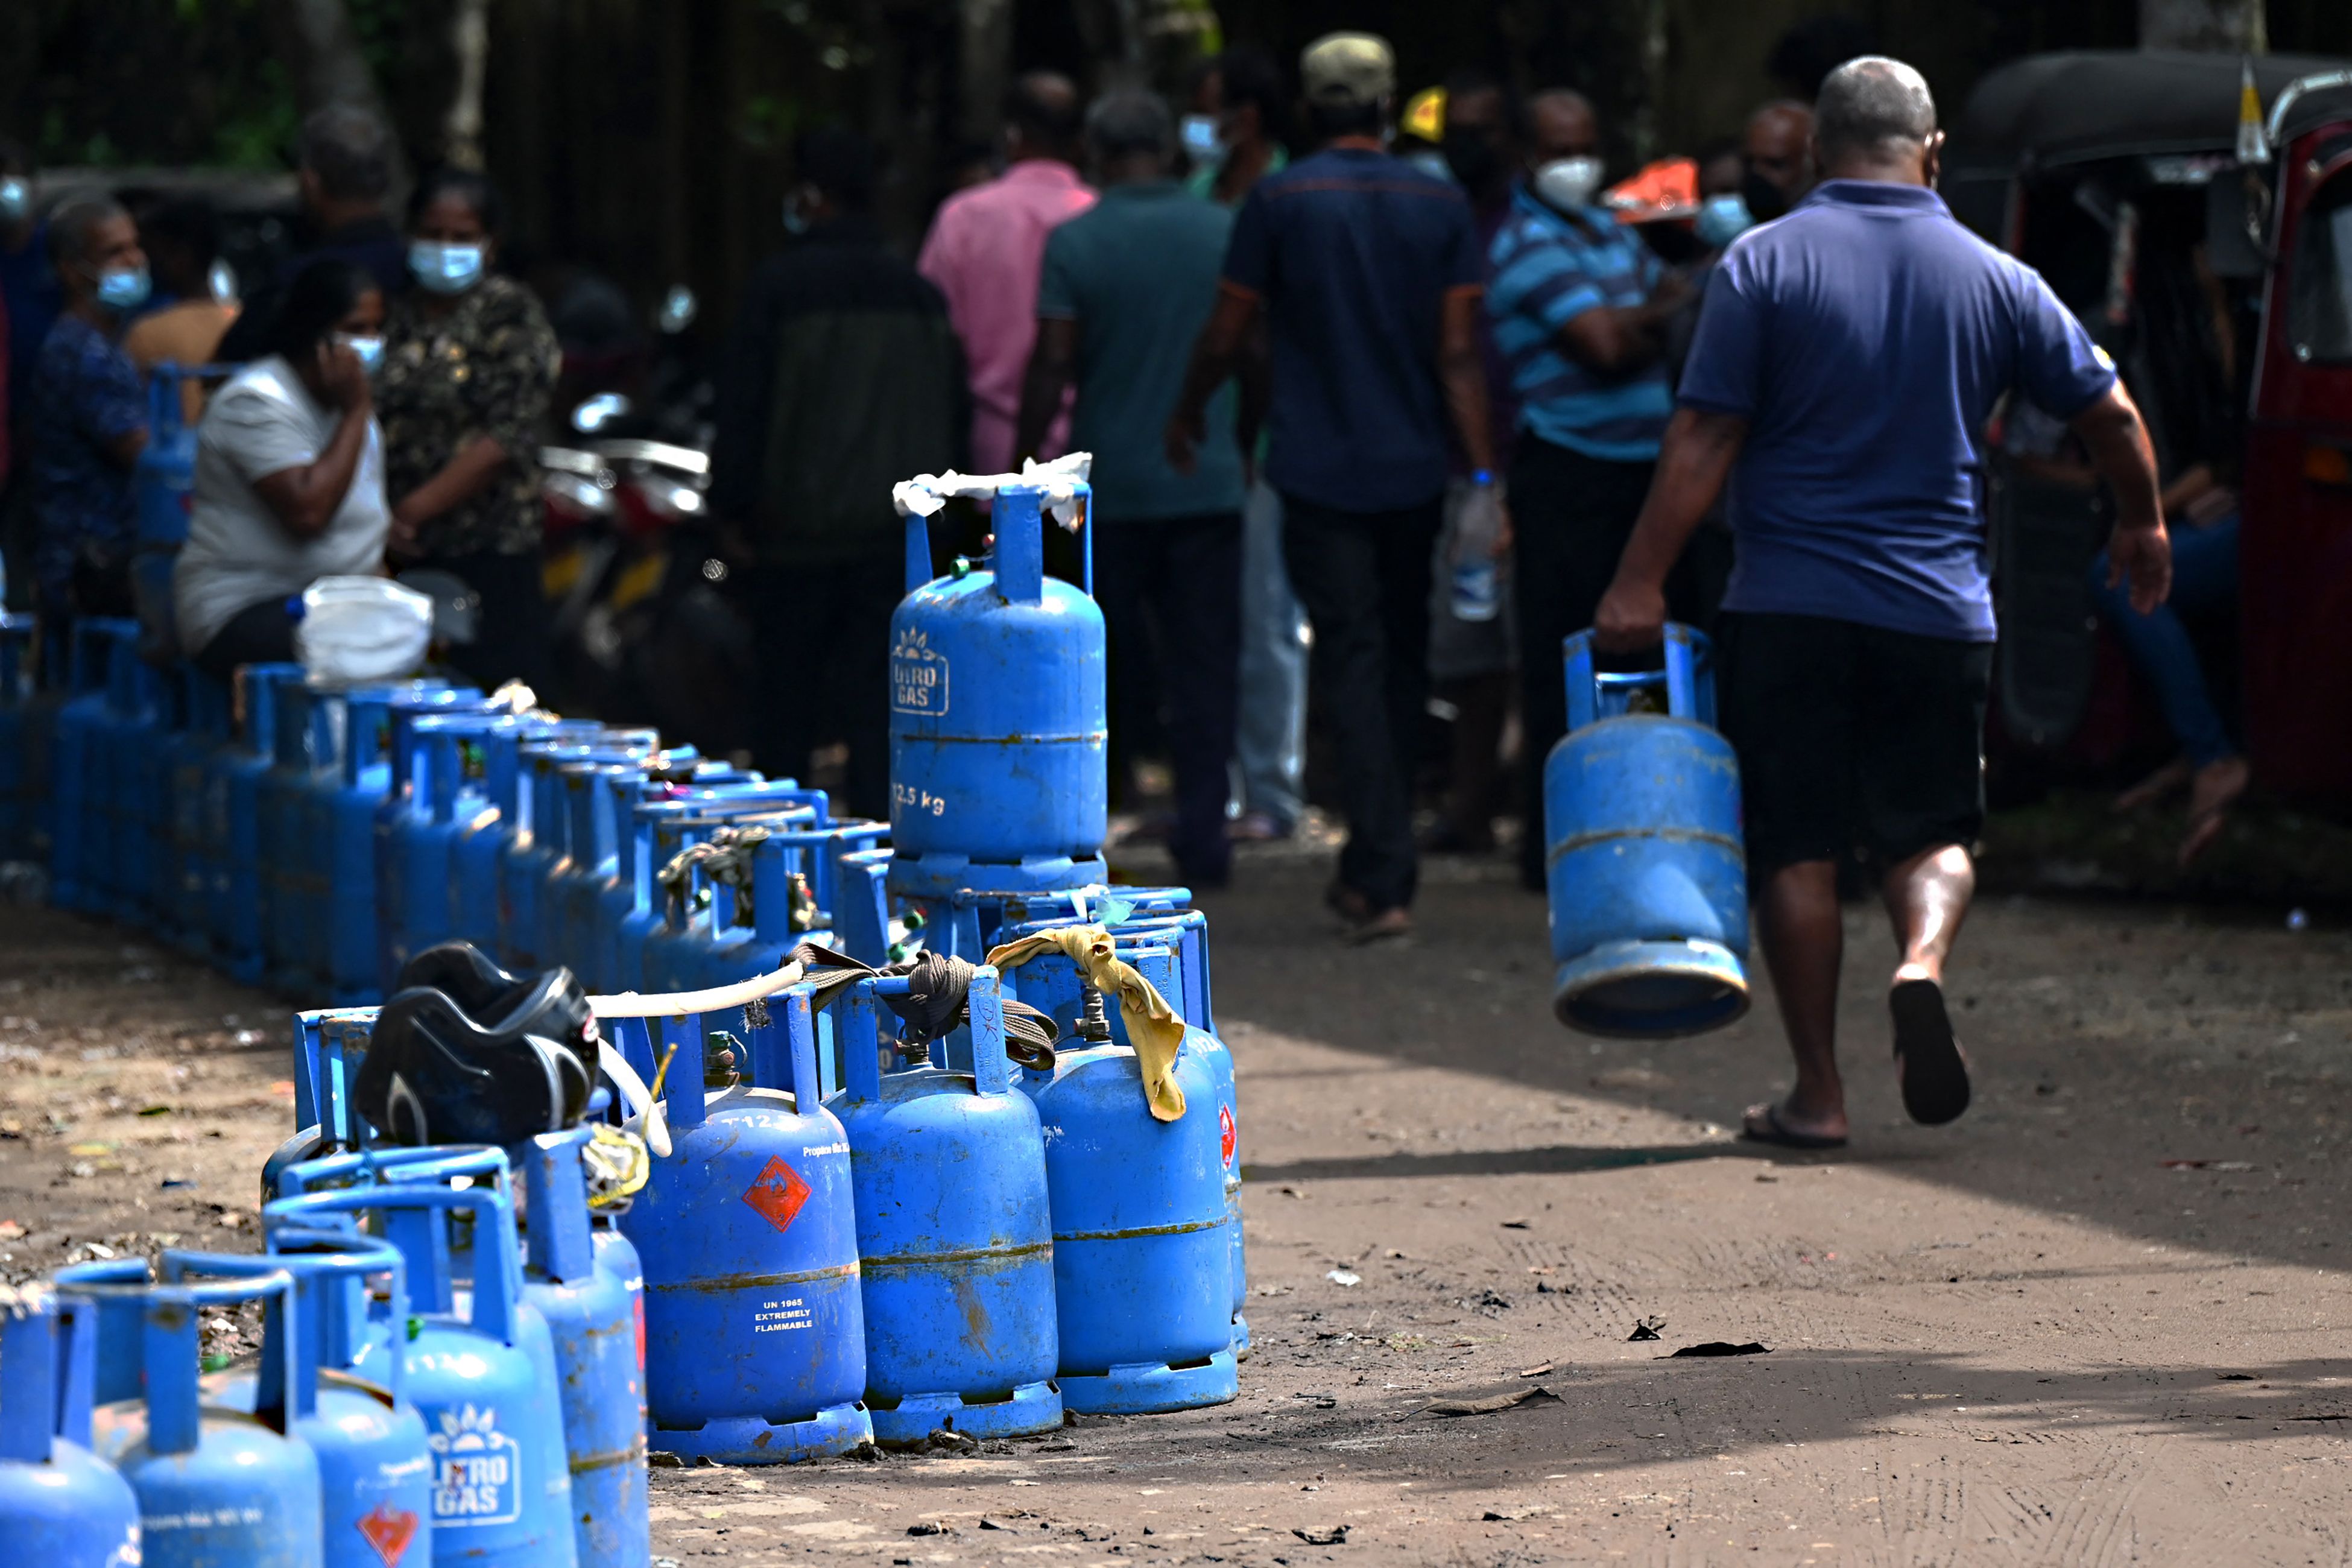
(2196,211)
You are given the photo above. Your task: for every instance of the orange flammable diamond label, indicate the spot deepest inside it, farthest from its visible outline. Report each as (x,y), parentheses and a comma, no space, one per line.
(778,1194)
(388,1530)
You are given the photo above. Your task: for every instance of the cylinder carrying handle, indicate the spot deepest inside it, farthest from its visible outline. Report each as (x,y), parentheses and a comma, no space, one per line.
(1688,679)
(496,1290)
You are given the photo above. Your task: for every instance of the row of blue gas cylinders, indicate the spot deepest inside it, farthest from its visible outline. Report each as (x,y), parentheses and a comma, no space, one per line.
(398,1411)
(950,1243)
(313,839)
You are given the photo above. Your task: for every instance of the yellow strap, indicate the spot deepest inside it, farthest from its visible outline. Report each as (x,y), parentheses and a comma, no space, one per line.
(1152,1025)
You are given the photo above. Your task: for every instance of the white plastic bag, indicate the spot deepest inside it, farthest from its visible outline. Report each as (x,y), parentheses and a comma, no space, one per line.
(362,628)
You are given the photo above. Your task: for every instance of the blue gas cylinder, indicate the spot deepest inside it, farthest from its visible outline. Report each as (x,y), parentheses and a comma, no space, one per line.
(412,881)
(998,774)
(285,875)
(346,802)
(345,1398)
(1142,1262)
(716,924)
(501,1483)
(567,895)
(23,794)
(190,850)
(244,765)
(158,776)
(123,826)
(664,925)
(164,481)
(1647,874)
(534,847)
(216,1484)
(595,1319)
(616,892)
(488,775)
(954,1231)
(81,858)
(60,1505)
(755,1337)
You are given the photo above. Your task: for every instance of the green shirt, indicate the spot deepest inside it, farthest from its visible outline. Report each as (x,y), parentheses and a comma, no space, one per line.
(1138,273)
(1202,181)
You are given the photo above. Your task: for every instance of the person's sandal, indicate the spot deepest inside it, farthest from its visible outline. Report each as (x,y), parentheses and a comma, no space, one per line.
(1389,925)
(1927,1056)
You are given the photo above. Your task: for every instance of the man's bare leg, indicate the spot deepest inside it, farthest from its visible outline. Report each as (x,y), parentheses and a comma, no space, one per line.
(1928,899)
(1803,933)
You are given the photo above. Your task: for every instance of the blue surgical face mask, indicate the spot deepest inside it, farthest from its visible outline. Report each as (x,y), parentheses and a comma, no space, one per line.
(123,288)
(445,269)
(368,346)
(1721,220)
(1201,143)
(15,200)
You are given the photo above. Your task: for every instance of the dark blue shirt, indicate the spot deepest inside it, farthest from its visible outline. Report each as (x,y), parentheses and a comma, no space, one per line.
(1549,271)
(1867,338)
(85,396)
(1353,253)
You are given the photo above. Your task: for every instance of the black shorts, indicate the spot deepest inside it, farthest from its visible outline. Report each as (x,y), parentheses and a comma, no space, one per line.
(1853,737)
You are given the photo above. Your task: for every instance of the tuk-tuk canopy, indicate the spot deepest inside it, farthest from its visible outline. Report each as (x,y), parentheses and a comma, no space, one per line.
(2087,104)
(2054,111)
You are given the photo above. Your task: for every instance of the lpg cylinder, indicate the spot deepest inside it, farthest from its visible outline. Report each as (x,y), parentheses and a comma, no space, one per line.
(616,890)
(79,852)
(564,901)
(163,480)
(501,1484)
(998,774)
(375,1472)
(659,922)
(125,742)
(190,849)
(485,776)
(755,1338)
(401,812)
(60,1505)
(22,791)
(158,790)
(350,796)
(215,1485)
(598,1324)
(244,763)
(954,1232)
(284,912)
(1143,1266)
(1646,872)
(530,852)
(699,944)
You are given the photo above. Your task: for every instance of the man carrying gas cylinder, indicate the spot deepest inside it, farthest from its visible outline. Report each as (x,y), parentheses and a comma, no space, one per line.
(1846,360)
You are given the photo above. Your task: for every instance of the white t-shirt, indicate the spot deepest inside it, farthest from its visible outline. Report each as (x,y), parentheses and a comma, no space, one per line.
(263,422)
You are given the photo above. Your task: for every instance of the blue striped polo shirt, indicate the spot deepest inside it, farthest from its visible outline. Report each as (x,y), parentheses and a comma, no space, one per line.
(1544,272)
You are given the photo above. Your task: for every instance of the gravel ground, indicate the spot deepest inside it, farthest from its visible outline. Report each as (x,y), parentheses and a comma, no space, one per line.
(2102,1319)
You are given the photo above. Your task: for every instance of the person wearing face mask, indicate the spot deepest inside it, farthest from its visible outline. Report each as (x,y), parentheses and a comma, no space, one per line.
(87,418)
(1777,157)
(1578,307)
(842,377)
(181,238)
(1241,115)
(289,474)
(470,369)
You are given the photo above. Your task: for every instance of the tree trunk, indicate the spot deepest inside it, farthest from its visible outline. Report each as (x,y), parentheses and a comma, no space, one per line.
(469,40)
(986,67)
(2213,26)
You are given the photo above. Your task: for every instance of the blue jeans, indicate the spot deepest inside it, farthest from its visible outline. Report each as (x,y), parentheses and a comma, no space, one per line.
(2204,577)
(1270,739)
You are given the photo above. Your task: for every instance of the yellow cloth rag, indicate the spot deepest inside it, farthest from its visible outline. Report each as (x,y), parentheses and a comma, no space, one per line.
(1152,1025)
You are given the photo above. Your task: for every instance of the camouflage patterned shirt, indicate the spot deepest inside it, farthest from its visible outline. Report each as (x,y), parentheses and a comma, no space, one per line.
(487,368)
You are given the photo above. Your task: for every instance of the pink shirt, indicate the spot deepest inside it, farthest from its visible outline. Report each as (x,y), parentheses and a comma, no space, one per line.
(984,252)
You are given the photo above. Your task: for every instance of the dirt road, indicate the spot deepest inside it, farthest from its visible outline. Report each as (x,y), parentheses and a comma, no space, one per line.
(2102,1319)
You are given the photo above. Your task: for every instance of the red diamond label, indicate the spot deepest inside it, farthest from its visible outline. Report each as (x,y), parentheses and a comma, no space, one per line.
(389,1531)
(1225,1136)
(778,1194)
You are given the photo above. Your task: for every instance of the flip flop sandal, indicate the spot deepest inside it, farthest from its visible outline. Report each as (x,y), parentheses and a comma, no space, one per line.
(1927,1056)
(1779,1135)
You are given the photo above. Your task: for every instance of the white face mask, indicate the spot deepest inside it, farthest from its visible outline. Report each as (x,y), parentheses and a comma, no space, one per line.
(1569,184)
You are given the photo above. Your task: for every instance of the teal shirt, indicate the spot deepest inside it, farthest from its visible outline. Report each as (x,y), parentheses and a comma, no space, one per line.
(1138,272)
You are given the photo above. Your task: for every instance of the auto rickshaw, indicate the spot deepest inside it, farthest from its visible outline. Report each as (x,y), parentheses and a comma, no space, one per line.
(2196,212)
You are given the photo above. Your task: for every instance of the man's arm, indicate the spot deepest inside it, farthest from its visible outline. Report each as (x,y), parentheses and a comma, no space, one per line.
(1613,339)
(1215,356)
(1464,373)
(1700,447)
(2138,551)
(1052,366)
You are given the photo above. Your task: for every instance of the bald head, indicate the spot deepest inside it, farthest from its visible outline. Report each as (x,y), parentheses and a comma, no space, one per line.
(1876,120)
(1041,116)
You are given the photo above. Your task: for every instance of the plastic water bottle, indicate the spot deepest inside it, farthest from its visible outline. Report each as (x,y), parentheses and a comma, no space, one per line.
(1478,590)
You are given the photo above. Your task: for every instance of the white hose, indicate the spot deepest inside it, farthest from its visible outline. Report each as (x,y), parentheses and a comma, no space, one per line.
(639,1099)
